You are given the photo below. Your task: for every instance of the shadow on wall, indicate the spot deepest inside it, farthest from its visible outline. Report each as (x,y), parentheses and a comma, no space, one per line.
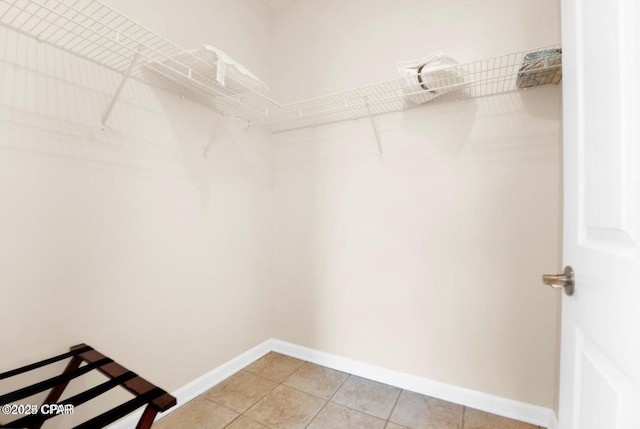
(444,128)
(452,115)
(53,102)
(408,262)
(512,120)
(214,147)
(102,229)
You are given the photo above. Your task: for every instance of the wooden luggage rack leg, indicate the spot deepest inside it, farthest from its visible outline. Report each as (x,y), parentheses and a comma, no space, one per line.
(146,420)
(57,391)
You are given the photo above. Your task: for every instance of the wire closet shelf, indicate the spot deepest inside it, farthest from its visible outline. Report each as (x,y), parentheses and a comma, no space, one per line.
(95,32)
(486,77)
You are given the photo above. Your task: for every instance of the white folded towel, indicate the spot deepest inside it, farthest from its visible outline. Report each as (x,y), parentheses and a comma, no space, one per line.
(227,66)
(208,62)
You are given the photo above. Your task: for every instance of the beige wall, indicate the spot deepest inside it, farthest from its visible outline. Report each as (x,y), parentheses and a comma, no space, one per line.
(428,261)
(241,28)
(323,46)
(130,240)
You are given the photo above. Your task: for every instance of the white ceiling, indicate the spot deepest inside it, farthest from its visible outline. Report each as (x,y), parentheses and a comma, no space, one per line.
(278,4)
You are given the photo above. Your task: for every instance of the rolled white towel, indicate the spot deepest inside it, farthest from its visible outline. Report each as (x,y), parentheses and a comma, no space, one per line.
(430,77)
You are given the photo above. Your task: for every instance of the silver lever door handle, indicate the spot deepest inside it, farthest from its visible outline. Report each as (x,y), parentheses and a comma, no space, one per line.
(564,281)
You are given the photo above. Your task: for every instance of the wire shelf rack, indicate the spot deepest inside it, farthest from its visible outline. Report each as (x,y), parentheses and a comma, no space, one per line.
(492,76)
(97,33)
(93,31)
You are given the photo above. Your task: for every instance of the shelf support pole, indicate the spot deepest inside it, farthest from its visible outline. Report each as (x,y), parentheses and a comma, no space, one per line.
(114,99)
(374,127)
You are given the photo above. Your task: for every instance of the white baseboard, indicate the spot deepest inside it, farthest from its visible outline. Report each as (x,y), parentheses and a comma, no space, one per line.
(517,410)
(522,411)
(203,383)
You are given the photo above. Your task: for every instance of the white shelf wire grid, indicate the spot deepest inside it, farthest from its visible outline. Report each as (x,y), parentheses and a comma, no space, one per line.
(97,33)
(486,77)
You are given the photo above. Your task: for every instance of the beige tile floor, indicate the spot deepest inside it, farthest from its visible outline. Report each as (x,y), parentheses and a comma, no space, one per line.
(281,392)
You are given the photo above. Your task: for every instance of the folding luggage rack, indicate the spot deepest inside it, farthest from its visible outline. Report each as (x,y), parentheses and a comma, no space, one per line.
(145,393)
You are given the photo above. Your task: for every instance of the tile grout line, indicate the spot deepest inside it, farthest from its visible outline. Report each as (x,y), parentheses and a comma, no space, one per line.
(328,400)
(278,383)
(253,403)
(291,387)
(395,403)
(231,422)
(281,383)
(385,421)
(248,408)
(340,387)
(349,375)
(316,414)
(464,410)
(325,402)
(243,414)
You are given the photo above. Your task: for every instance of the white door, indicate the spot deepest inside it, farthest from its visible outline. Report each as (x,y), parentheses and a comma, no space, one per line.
(600,365)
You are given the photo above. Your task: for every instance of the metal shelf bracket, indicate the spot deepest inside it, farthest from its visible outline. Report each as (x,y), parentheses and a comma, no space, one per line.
(114,99)
(374,126)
